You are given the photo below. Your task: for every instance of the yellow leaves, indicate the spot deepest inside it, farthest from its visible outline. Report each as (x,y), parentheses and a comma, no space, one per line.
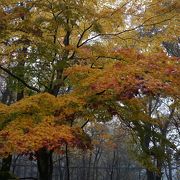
(32,108)
(36,122)
(42,135)
(21,123)
(42,105)
(3,111)
(80,73)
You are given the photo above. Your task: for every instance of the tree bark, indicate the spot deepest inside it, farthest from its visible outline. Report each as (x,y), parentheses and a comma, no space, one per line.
(5,168)
(45,164)
(6,163)
(158,177)
(159,167)
(67,164)
(150,175)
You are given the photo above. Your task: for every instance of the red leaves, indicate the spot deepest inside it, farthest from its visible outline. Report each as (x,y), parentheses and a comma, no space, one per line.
(4,135)
(110,83)
(172,71)
(152,74)
(45,121)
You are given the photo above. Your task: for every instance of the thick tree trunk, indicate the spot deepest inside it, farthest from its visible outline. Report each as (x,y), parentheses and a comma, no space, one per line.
(45,164)
(6,163)
(5,168)
(150,175)
(158,177)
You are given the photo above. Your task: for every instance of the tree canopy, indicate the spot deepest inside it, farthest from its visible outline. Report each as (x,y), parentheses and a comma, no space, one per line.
(67,63)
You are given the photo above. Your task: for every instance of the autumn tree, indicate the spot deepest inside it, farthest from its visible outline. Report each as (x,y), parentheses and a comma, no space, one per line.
(41,40)
(137,100)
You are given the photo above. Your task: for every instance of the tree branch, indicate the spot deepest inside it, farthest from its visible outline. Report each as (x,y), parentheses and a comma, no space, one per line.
(19,79)
(84,124)
(81,36)
(126,30)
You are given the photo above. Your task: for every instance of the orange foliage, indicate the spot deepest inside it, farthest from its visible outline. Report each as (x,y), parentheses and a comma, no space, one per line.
(135,73)
(45,121)
(36,122)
